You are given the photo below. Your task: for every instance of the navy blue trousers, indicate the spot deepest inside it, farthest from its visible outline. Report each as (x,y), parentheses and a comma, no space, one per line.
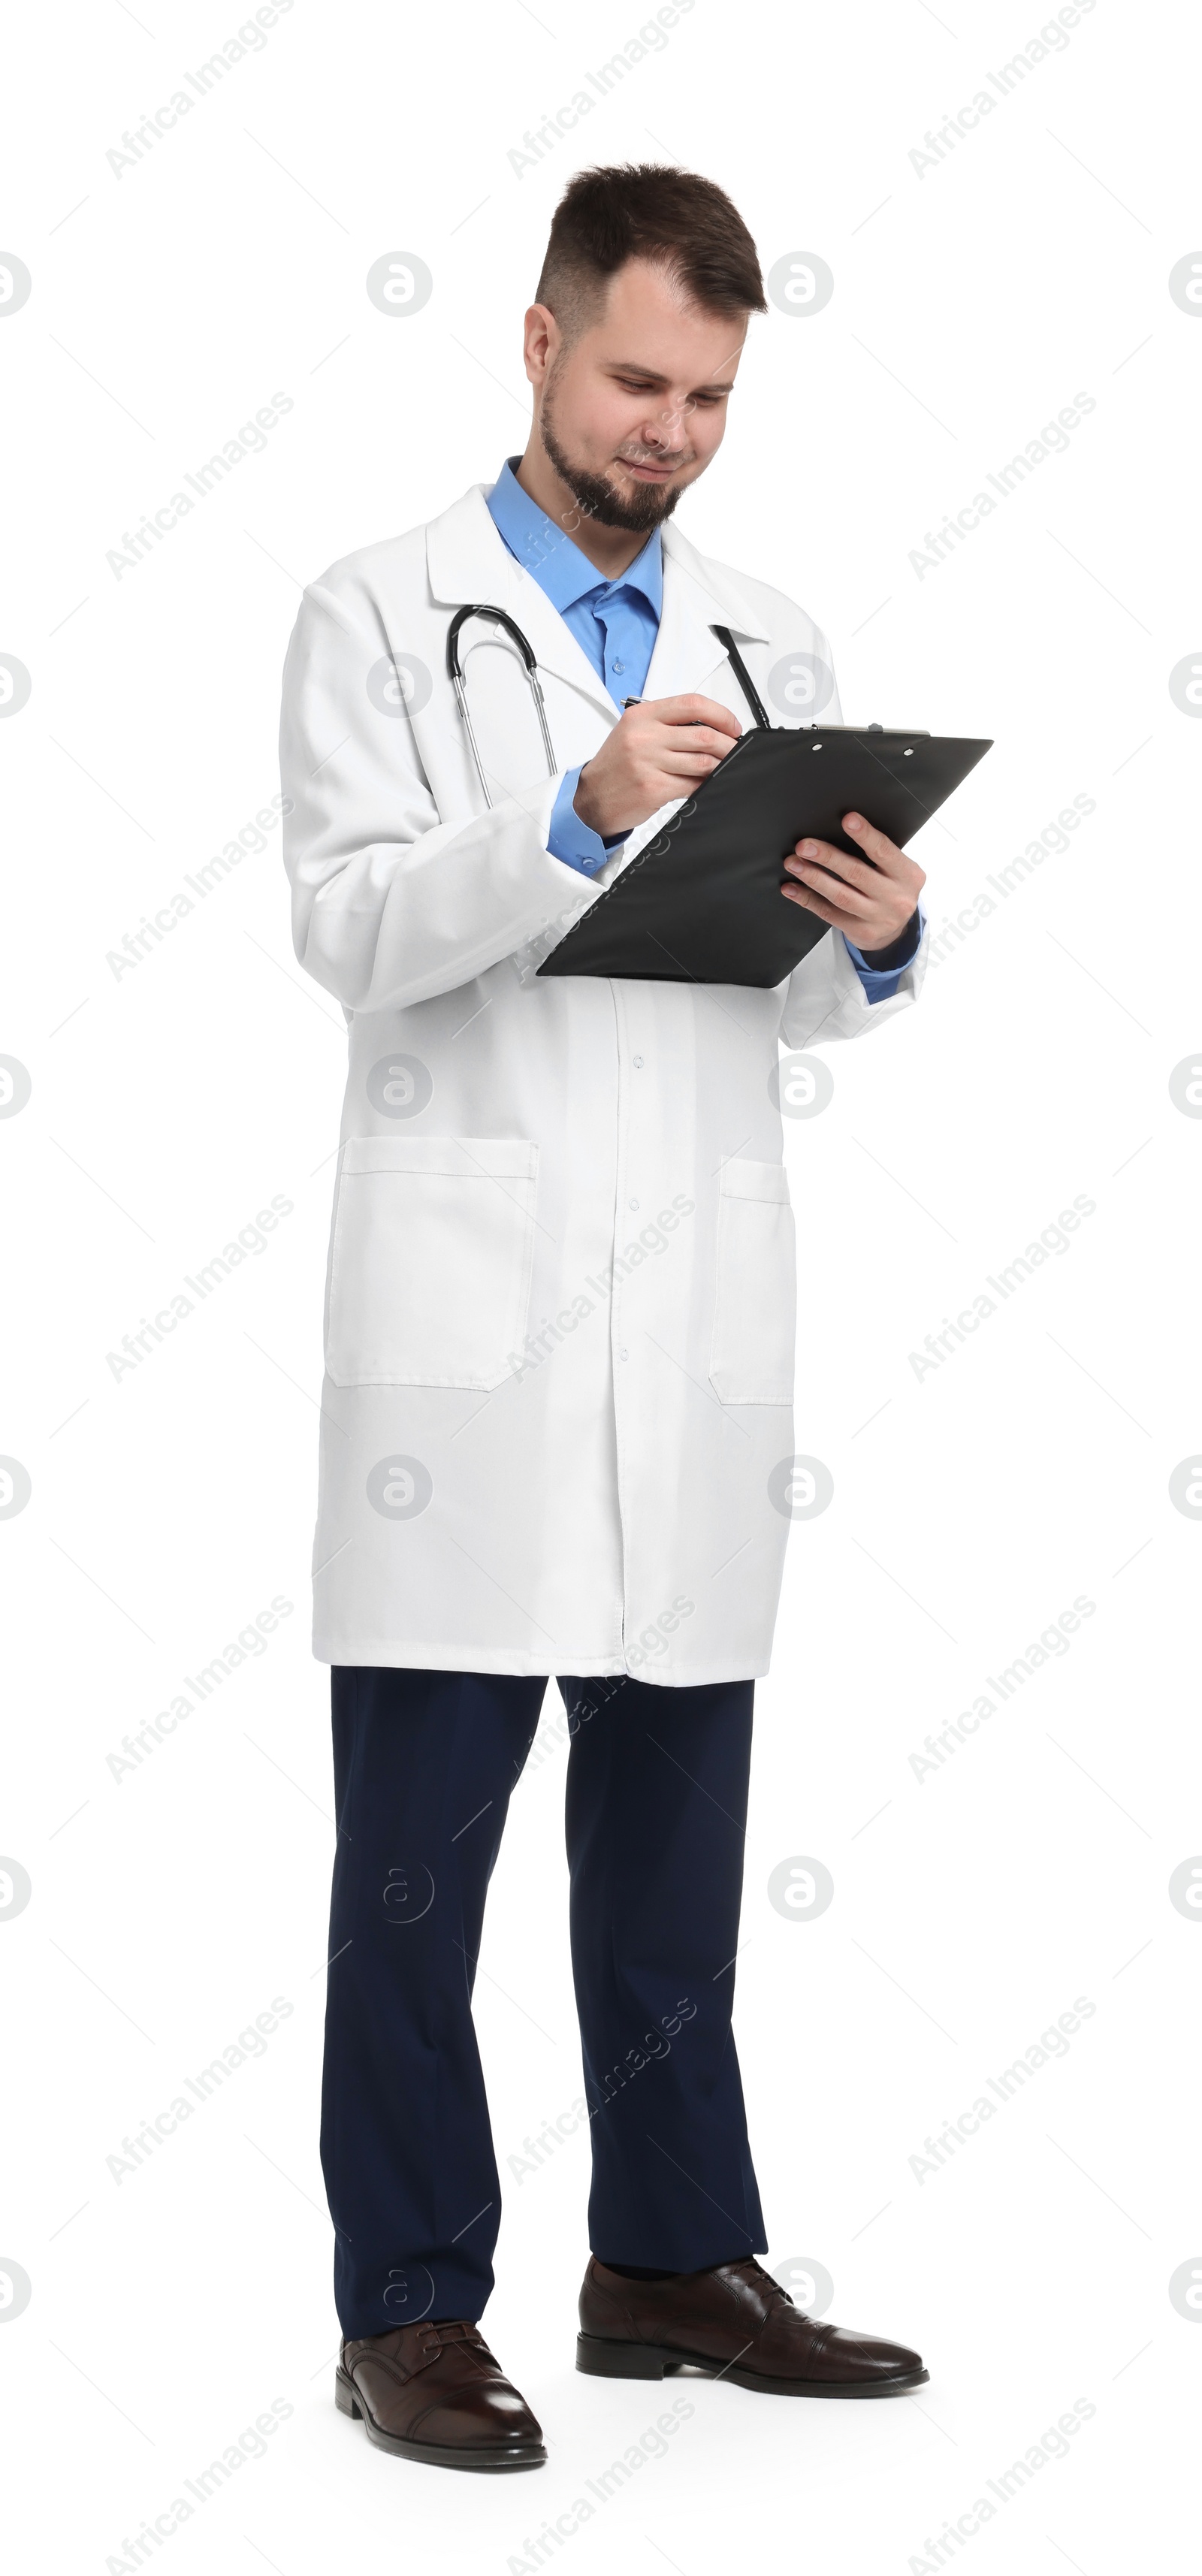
(656,1803)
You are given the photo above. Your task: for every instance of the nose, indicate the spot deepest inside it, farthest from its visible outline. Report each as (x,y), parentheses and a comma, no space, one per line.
(664,437)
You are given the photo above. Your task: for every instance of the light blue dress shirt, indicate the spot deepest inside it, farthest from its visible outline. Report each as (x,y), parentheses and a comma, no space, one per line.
(616,624)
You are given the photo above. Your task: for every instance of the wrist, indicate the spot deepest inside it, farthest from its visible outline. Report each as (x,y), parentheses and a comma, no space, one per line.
(582,803)
(899,951)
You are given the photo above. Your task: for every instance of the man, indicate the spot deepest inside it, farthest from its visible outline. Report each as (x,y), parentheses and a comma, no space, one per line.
(556,1428)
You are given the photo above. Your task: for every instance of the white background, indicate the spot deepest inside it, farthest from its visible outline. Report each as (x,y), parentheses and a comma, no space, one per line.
(972,301)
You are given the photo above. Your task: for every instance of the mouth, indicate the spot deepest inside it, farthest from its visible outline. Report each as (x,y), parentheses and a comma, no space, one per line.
(647,473)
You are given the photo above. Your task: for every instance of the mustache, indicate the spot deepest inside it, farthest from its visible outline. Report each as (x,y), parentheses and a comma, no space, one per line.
(676,457)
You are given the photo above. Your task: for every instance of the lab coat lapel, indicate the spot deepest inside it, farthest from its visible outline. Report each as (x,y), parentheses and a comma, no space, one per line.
(467,558)
(696,598)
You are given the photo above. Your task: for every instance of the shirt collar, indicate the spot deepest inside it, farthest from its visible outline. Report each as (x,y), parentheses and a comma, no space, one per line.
(559,567)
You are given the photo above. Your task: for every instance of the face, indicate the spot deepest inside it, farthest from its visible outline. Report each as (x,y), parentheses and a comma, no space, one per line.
(631,414)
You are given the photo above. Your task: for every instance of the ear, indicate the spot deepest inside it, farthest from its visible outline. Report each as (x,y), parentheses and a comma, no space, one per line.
(542,342)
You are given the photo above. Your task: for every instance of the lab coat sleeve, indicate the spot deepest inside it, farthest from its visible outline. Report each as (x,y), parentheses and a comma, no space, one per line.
(825,997)
(389,904)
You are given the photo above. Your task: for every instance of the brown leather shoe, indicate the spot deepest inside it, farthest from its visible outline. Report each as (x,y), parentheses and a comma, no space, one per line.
(734,2322)
(435,2393)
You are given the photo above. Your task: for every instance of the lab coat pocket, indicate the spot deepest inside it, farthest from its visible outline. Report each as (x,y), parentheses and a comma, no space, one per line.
(755,1313)
(430,1260)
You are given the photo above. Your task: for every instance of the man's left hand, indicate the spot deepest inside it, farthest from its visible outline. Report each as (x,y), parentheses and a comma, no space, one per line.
(869,904)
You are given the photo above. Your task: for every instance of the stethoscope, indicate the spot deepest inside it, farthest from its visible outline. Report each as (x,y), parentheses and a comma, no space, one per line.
(500,617)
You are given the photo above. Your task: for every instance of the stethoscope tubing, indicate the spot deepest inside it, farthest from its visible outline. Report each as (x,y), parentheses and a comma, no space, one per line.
(480,608)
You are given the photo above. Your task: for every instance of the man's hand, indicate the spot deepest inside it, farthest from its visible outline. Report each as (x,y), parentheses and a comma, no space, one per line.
(869,904)
(661,748)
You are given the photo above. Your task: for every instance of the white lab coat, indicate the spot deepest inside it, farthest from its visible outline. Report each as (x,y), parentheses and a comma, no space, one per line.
(560,1300)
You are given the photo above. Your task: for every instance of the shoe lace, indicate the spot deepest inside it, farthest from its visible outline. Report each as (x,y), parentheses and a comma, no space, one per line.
(753,2271)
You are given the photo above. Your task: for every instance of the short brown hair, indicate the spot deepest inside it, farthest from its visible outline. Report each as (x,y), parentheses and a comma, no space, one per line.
(644,210)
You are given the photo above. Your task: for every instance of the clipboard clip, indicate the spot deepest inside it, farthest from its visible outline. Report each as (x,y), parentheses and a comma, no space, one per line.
(758,709)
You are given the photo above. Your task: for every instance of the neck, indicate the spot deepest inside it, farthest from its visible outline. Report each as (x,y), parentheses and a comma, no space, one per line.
(612,550)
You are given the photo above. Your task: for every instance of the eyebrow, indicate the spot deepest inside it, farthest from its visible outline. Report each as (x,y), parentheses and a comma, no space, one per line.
(633,367)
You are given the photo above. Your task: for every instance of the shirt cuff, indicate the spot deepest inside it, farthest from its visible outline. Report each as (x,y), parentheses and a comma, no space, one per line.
(575,842)
(880,982)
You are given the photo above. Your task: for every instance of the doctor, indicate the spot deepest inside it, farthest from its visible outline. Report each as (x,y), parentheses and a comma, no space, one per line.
(556,1433)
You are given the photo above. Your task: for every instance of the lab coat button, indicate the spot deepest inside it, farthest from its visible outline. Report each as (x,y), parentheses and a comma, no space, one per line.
(634,1203)
(638,1064)
(622,1355)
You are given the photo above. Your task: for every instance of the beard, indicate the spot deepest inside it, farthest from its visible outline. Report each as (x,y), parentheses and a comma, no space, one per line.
(647,508)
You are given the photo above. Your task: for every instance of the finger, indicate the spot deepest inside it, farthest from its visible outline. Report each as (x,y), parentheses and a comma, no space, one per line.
(678,765)
(858,872)
(697,737)
(833,889)
(833,915)
(864,934)
(827,912)
(883,852)
(693,709)
(903,874)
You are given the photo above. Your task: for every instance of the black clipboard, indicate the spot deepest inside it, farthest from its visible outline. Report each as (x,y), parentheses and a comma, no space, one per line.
(701,903)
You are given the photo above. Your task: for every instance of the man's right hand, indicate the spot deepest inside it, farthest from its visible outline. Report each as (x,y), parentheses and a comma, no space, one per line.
(661,748)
